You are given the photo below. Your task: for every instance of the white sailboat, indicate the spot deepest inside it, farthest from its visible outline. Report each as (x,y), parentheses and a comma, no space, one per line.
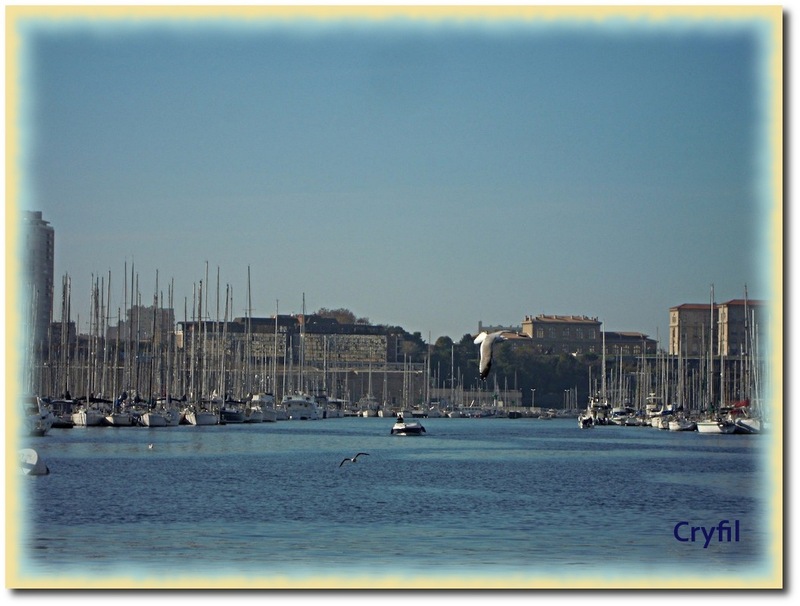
(88,416)
(152,418)
(266,402)
(253,413)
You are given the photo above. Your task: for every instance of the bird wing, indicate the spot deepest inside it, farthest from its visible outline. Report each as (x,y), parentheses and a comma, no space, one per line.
(343,462)
(486,357)
(487,343)
(361,453)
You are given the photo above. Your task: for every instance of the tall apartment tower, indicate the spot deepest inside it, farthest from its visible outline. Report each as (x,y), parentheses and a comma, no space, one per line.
(38,252)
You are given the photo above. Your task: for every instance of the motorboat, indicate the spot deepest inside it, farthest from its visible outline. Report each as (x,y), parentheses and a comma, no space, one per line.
(301,406)
(401,428)
(38,418)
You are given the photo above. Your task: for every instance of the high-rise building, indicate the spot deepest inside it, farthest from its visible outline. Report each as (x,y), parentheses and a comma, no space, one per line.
(38,253)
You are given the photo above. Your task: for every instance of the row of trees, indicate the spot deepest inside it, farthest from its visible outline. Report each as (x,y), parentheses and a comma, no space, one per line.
(515,366)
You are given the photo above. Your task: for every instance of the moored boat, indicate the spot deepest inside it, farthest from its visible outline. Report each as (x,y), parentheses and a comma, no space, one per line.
(88,416)
(37,416)
(266,401)
(301,407)
(199,415)
(682,424)
(152,418)
(253,412)
(716,425)
(119,419)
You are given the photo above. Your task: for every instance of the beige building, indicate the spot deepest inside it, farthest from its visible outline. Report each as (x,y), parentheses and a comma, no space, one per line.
(564,334)
(733,324)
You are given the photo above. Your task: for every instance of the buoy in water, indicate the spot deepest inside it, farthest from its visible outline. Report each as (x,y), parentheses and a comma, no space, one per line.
(31,464)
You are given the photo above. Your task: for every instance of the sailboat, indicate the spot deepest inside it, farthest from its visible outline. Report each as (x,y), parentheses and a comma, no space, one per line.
(713,422)
(37,417)
(301,405)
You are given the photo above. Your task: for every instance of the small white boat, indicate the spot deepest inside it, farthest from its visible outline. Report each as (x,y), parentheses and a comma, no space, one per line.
(716,426)
(401,428)
(31,464)
(253,413)
(266,401)
(682,424)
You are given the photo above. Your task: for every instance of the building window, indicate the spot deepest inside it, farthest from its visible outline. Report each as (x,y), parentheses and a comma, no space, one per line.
(540,333)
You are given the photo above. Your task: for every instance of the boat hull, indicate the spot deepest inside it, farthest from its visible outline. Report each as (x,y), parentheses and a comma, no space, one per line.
(718,427)
(407,429)
(88,418)
(119,419)
(152,419)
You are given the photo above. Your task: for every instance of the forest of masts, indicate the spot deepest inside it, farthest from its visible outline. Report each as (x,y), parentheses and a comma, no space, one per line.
(209,364)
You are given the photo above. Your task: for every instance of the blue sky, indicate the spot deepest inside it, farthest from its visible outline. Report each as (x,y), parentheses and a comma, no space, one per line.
(423,174)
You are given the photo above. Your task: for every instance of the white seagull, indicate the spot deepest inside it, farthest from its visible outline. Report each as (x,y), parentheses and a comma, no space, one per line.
(353,459)
(487,341)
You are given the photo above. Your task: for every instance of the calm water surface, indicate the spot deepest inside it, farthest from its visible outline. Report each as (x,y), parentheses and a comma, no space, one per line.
(487,497)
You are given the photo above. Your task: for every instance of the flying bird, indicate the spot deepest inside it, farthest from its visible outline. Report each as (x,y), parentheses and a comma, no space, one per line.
(487,341)
(353,459)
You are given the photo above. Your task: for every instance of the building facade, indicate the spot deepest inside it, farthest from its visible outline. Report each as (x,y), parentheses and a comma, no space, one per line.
(726,329)
(628,344)
(551,334)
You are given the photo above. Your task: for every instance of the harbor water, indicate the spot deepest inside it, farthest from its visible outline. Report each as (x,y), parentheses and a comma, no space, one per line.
(506,501)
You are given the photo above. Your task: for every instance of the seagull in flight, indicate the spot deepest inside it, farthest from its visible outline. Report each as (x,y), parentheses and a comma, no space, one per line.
(353,459)
(487,341)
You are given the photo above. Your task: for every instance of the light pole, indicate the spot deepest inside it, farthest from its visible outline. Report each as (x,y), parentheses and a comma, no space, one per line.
(533,397)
